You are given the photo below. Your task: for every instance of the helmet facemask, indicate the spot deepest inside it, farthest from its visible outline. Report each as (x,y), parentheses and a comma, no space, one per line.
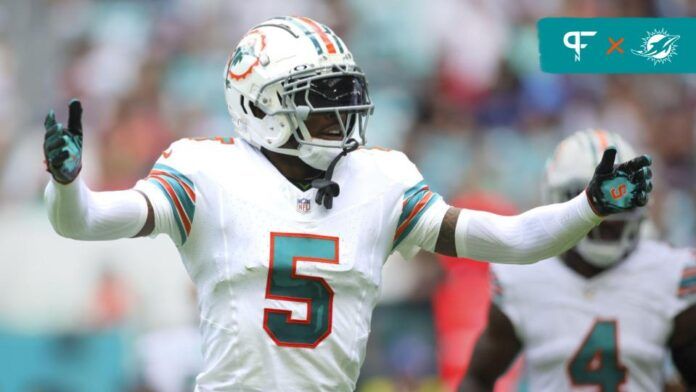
(338,90)
(609,242)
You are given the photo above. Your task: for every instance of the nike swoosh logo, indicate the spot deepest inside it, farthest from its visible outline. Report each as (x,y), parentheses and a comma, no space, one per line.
(167,153)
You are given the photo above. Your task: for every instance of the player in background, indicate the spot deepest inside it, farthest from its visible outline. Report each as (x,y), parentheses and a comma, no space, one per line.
(287,271)
(605,314)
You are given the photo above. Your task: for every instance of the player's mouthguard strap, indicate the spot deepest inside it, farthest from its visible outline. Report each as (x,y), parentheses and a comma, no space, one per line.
(327,189)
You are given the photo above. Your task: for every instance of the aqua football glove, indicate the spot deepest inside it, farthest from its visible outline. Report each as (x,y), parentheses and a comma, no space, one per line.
(63,146)
(618,188)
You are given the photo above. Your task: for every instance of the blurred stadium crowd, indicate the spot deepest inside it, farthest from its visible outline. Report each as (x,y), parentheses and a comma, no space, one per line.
(456,85)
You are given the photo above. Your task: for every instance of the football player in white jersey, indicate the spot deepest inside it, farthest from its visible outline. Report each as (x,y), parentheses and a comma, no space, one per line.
(605,314)
(287,271)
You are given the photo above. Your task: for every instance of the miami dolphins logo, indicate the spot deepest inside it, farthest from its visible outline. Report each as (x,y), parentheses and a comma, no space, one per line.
(246,57)
(658,46)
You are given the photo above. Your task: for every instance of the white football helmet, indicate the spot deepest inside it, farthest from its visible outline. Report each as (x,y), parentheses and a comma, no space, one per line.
(284,70)
(569,170)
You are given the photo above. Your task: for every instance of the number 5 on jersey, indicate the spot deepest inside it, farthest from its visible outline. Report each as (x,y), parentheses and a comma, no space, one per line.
(284,283)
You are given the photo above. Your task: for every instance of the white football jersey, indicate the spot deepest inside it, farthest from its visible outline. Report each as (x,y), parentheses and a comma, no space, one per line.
(286,287)
(170,358)
(607,333)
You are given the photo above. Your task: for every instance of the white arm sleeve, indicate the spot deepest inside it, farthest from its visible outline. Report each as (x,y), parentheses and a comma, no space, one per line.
(77,212)
(526,238)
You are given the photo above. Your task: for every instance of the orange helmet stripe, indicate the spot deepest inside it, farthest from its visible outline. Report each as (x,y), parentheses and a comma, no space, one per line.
(324,38)
(602,137)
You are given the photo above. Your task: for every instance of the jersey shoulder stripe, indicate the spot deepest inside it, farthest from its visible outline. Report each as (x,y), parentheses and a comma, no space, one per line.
(417,200)
(169,169)
(180,193)
(687,285)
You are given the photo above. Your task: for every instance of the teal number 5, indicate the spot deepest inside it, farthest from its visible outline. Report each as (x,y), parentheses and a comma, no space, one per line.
(596,362)
(284,283)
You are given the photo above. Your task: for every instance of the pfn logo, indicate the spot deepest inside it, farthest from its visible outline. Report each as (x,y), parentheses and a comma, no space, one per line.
(618,193)
(576,43)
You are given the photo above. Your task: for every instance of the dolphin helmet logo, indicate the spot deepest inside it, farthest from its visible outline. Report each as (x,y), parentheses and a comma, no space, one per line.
(658,46)
(246,56)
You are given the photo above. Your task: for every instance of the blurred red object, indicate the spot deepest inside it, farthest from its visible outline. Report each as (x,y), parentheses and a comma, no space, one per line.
(112,300)
(132,143)
(461,302)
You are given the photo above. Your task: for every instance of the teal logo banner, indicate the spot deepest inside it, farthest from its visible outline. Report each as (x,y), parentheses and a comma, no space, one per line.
(617,45)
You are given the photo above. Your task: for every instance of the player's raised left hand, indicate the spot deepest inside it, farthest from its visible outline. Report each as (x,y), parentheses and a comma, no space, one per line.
(63,146)
(618,188)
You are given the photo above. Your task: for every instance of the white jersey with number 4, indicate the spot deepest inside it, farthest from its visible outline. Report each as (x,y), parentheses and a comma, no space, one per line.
(607,333)
(286,287)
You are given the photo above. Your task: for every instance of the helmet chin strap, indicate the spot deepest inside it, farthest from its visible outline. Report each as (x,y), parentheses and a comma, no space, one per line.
(326,188)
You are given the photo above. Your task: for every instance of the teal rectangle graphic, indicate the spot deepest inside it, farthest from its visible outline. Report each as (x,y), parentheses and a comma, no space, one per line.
(617,45)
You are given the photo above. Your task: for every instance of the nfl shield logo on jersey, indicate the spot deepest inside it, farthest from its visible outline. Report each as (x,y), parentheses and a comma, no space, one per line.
(303,205)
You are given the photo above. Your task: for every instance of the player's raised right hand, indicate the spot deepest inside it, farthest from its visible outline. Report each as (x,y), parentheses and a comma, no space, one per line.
(63,146)
(618,188)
